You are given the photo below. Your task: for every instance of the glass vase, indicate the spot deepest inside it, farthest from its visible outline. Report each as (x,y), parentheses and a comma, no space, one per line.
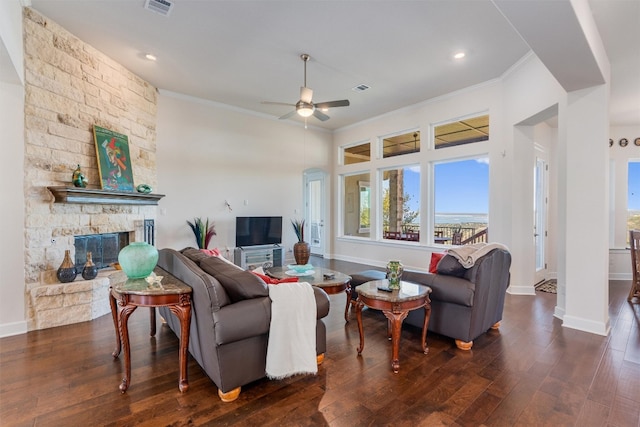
(67,271)
(138,259)
(394,274)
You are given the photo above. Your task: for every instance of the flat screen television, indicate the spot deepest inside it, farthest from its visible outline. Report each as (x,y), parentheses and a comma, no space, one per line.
(258,230)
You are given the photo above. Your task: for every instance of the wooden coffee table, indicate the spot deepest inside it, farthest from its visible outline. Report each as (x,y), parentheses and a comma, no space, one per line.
(126,296)
(395,305)
(340,282)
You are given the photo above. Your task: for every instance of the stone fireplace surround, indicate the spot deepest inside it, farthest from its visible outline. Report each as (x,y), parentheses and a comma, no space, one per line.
(51,303)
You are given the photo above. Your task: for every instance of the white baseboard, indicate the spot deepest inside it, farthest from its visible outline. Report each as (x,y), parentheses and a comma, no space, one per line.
(521,290)
(586,325)
(13,328)
(558,313)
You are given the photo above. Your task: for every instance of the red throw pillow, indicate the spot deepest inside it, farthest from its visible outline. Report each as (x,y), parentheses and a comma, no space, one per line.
(211,252)
(435,258)
(272,281)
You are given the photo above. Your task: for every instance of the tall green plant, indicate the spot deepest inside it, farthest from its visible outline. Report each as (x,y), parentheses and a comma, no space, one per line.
(203,231)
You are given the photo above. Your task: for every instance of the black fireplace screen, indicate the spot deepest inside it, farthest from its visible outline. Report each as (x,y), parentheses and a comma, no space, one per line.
(104,248)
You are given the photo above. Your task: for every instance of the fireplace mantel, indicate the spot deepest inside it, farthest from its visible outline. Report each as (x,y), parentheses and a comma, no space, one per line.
(64,194)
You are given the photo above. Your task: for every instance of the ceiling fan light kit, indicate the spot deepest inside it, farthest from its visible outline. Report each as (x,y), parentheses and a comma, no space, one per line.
(305,106)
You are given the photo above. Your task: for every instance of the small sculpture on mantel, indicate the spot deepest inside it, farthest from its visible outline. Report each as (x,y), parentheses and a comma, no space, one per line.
(78,178)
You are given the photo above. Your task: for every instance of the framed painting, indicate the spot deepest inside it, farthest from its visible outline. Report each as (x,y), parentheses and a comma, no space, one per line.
(114,162)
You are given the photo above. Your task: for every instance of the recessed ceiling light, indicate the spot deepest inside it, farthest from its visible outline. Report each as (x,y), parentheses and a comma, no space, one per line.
(150,57)
(459,55)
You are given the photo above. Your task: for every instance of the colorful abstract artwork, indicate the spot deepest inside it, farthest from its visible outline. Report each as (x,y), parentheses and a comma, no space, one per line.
(114,162)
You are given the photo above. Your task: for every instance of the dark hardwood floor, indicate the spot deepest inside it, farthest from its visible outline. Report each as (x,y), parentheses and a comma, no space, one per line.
(532,372)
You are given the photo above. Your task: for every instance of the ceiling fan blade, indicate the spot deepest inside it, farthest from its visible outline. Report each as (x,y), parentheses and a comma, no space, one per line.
(320,115)
(332,104)
(286,116)
(277,103)
(306,94)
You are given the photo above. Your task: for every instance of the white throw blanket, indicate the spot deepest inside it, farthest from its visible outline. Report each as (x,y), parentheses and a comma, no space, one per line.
(292,336)
(468,255)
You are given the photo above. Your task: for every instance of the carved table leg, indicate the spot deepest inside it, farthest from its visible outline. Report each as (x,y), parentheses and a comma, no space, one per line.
(114,314)
(425,326)
(359,305)
(183,312)
(396,328)
(346,308)
(152,321)
(125,312)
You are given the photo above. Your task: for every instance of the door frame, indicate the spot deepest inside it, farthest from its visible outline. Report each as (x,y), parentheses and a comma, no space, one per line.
(322,176)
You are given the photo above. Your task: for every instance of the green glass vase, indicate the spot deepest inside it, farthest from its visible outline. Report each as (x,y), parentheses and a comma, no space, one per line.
(394,274)
(138,259)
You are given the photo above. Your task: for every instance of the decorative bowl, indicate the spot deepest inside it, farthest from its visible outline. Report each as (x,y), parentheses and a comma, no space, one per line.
(300,268)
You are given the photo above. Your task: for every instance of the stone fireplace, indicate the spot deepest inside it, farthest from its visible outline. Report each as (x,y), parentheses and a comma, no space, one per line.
(51,303)
(70,87)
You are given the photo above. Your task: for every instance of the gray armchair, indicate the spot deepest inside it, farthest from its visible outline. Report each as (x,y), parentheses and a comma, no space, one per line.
(465,303)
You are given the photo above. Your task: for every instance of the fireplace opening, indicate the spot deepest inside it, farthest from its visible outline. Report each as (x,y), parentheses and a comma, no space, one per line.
(104,248)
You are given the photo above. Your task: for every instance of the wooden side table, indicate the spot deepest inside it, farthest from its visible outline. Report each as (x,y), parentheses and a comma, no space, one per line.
(128,295)
(338,283)
(396,306)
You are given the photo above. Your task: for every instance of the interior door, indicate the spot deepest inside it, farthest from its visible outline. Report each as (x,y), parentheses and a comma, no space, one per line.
(540,218)
(315,202)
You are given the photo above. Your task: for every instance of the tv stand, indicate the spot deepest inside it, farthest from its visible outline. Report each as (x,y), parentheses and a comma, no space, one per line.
(251,257)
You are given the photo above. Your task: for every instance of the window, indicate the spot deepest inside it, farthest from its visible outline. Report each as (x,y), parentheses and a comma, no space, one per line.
(356,154)
(401,144)
(466,131)
(461,202)
(633,197)
(401,203)
(357,202)
(364,207)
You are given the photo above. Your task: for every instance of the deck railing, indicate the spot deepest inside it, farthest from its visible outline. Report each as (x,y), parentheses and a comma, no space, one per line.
(444,235)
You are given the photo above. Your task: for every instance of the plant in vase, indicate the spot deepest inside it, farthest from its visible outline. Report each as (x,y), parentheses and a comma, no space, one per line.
(301,250)
(203,232)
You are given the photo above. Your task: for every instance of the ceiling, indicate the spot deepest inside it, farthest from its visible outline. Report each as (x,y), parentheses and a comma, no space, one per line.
(241,53)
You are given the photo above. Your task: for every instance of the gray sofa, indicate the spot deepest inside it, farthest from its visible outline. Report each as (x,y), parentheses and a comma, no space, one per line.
(465,303)
(231,313)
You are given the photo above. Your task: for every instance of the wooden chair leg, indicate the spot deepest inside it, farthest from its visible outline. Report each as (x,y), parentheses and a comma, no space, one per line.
(496,325)
(229,396)
(462,345)
(320,359)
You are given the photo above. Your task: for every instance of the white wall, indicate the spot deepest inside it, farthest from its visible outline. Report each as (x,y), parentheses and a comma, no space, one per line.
(208,154)
(12,304)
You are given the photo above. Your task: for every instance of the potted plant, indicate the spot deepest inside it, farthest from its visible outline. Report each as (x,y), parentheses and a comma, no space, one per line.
(301,250)
(203,232)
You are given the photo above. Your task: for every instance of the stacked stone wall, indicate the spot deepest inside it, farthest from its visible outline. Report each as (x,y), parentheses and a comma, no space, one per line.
(70,87)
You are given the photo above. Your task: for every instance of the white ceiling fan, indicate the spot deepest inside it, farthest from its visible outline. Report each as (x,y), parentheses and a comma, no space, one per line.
(305,107)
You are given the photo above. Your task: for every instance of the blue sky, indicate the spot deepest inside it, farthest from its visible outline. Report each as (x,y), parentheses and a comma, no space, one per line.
(461,187)
(633,195)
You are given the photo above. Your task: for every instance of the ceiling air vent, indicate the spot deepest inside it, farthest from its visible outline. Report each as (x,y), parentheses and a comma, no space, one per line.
(163,7)
(360,88)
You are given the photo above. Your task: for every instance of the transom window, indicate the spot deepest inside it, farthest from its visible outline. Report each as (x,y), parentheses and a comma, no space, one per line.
(356,154)
(466,131)
(401,144)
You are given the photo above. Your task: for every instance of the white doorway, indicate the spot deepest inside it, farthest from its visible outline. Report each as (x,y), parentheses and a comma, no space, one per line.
(540,212)
(315,210)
